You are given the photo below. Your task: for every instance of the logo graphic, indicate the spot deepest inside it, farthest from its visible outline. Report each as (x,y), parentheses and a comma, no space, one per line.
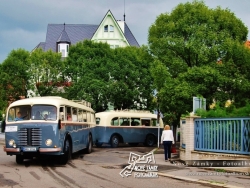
(141,165)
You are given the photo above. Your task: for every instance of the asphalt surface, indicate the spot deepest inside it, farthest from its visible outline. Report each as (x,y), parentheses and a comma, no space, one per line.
(176,169)
(216,177)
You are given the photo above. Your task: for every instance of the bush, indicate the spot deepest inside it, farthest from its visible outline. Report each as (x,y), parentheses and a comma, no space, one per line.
(230,111)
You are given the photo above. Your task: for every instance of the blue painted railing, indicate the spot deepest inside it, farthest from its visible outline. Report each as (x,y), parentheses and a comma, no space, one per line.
(227,135)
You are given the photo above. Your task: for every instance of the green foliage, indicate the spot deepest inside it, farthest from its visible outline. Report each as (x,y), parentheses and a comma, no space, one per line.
(187,44)
(230,111)
(46,73)
(102,75)
(14,76)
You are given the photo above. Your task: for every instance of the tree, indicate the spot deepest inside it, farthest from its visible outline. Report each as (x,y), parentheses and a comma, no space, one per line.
(187,45)
(87,70)
(46,72)
(14,75)
(102,75)
(131,83)
(3,95)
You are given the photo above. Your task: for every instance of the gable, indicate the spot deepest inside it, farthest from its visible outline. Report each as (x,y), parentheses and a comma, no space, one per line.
(111,32)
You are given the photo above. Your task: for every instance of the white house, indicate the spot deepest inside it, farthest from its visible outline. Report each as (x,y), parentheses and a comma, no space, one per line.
(115,32)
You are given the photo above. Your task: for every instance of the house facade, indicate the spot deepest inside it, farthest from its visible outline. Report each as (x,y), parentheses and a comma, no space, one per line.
(116,33)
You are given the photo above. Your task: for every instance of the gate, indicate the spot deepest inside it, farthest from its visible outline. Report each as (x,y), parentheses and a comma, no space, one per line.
(227,135)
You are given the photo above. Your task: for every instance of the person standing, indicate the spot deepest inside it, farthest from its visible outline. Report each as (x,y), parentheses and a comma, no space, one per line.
(167,139)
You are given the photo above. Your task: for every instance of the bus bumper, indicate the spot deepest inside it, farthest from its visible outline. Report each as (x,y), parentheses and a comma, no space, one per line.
(14,150)
(41,150)
(46,150)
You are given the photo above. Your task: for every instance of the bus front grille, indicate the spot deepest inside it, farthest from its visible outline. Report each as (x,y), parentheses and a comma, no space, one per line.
(30,137)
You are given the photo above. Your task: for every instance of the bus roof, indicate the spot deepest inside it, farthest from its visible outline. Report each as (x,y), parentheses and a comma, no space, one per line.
(126,113)
(52,100)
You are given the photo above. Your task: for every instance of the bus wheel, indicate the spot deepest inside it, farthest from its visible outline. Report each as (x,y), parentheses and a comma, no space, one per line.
(114,141)
(150,140)
(67,153)
(19,159)
(89,146)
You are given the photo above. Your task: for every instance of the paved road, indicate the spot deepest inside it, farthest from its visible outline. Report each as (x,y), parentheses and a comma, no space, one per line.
(107,163)
(99,169)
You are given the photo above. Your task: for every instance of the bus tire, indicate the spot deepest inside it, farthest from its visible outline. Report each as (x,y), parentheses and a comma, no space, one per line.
(114,141)
(19,159)
(66,153)
(89,145)
(150,140)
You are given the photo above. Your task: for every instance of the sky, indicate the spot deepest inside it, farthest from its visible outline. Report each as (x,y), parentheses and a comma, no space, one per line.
(23,23)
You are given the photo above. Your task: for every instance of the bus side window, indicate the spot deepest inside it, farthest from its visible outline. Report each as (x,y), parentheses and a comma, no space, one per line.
(135,121)
(145,122)
(154,122)
(68,113)
(84,115)
(80,115)
(125,121)
(74,115)
(115,121)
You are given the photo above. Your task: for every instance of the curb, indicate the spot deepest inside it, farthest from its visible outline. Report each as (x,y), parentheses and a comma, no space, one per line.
(196,180)
(227,170)
(152,151)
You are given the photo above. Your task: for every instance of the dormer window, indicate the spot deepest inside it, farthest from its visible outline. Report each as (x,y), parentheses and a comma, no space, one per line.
(106,28)
(111,28)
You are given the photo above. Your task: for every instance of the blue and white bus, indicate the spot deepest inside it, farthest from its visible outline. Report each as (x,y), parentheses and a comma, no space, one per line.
(48,126)
(128,126)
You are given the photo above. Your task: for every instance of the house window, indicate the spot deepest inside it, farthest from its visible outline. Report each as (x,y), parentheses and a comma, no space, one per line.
(106,29)
(111,28)
(58,47)
(67,48)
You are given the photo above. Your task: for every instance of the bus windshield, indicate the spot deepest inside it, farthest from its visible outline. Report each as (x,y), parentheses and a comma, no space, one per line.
(35,112)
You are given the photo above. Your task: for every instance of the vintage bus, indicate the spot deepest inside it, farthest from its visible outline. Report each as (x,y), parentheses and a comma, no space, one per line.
(41,126)
(128,126)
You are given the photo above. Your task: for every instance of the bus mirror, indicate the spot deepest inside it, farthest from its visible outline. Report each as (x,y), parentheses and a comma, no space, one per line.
(61,116)
(3,124)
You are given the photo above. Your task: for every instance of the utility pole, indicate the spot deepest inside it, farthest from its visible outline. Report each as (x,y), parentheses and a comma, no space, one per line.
(158,123)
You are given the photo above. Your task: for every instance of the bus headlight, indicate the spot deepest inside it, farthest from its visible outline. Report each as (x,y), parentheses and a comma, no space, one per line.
(48,142)
(11,142)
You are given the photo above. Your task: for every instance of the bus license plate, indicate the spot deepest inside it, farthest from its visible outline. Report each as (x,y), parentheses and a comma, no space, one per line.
(29,149)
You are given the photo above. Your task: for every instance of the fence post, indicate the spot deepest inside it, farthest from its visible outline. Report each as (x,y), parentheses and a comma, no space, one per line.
(187,137)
